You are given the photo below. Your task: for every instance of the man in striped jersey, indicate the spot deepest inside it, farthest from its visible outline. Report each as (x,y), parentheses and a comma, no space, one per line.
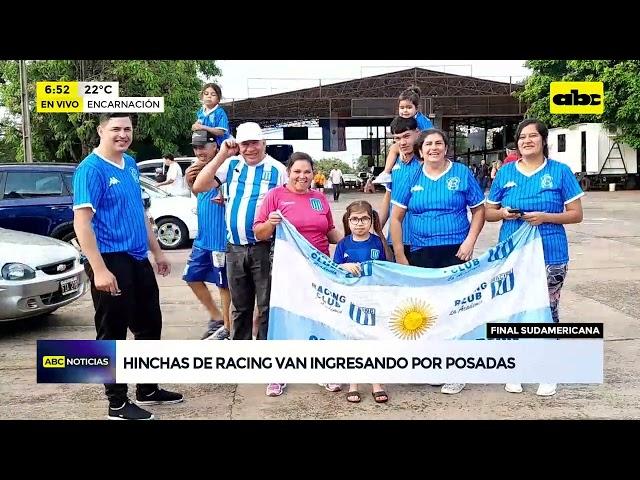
(115,236)
(243,164)
(207,260)
(405,133)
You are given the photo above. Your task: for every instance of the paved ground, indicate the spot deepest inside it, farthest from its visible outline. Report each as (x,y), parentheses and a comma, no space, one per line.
(603,286)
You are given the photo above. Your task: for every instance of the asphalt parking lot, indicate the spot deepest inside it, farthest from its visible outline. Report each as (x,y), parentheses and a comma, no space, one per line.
(603,285)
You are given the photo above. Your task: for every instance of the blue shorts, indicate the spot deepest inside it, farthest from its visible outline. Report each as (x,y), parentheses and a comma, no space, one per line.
(206,266)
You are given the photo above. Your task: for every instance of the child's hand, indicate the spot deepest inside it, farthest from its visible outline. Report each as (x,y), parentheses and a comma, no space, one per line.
(353,268)
(197,126)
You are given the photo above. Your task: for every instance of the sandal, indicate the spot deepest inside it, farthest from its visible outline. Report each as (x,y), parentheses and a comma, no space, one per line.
(355,394)
(331,387)
(380,396)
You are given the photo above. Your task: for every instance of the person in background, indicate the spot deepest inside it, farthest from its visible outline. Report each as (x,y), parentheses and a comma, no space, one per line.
(174,182)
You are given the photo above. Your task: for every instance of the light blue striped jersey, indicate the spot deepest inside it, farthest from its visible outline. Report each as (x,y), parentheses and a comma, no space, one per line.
(438,206)
(216,118)
(246,188)
(548,189)
(113,193)
(424,123)
(212,230)
(399,174)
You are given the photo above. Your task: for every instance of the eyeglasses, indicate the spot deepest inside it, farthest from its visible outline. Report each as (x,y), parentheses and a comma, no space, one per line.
(359,221)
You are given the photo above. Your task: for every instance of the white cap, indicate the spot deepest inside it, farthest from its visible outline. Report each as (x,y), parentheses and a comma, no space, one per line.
(249,131)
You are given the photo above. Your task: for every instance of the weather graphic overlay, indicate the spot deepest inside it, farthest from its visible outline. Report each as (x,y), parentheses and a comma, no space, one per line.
(91,97)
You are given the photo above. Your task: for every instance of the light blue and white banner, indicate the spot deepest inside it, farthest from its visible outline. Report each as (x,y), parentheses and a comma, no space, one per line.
(312,298)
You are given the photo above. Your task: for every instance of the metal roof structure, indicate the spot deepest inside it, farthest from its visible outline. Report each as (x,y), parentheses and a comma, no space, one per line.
(371,101)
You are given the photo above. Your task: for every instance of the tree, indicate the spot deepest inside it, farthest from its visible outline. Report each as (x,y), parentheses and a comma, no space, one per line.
(621,91)
(71,136)
(328,164)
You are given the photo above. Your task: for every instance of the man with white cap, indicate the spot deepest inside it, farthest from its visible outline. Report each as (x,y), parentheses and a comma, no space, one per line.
(243,164)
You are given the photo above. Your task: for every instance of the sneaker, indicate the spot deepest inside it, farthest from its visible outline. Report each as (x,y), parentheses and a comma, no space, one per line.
(513,387)
(212,328)
(384,177)
(128,411)
(331,387)
(452,388)
(221,334)
(546,389)
(159,397)
(275,389)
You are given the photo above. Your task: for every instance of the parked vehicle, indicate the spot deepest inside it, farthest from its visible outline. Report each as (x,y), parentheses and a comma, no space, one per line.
(595,157)
(155,169)
(38,198)
(38,274)
(175,217)
(350,180)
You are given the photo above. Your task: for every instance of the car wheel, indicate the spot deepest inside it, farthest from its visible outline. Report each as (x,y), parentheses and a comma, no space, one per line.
(69,237)
(172,233)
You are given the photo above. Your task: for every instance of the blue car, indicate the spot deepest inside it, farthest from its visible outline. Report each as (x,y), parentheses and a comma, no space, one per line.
(38,198)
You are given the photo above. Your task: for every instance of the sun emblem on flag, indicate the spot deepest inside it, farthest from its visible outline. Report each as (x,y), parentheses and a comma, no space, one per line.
(412,319)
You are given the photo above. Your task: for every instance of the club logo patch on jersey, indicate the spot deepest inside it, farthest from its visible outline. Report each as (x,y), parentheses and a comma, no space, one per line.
(134,173)
(453,183)
(374,254)
(546,181)
(316,204)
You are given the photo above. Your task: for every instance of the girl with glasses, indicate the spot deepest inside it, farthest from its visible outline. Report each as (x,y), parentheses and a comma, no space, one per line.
(360,245)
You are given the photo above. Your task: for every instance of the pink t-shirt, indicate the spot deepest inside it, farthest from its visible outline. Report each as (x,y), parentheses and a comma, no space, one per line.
(308,212)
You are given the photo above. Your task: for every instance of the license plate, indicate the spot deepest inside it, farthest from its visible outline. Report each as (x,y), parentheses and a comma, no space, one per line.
(69,285)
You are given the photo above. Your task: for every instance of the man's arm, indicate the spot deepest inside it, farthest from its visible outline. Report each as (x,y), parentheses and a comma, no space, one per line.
(206,179)
(103,279)
(384,208)
(163,265)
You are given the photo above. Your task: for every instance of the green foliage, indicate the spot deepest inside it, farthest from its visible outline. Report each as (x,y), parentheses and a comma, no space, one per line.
(71,136)
(621,93)
(327,164)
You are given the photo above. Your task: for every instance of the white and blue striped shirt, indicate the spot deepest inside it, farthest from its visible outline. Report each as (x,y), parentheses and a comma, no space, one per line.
(246,186)
(547,189)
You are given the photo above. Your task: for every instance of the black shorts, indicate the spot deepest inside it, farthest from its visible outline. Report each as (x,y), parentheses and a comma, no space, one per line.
(439,256)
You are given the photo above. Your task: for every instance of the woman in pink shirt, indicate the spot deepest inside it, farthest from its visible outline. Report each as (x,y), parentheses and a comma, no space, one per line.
(308,211)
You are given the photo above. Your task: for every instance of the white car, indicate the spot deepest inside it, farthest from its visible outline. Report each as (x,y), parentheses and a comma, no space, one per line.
(175,217)
(37,274)
(150,168)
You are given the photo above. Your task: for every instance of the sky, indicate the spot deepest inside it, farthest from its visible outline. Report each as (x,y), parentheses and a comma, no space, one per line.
(254,78)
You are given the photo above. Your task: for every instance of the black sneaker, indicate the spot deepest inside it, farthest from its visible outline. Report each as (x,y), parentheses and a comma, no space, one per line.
(159,397)
(212,328)
(129,411)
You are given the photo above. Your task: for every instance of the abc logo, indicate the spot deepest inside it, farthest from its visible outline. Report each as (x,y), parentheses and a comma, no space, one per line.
(53,361)
(576,98)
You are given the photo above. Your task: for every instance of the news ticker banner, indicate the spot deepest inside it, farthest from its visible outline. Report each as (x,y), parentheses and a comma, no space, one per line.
(330,361)
(91,97)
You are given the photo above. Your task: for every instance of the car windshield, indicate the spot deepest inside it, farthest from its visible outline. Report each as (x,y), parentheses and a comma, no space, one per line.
(152,187)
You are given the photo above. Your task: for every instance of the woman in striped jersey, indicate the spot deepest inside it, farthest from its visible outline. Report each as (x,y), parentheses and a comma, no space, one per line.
(438,197)
(543,193)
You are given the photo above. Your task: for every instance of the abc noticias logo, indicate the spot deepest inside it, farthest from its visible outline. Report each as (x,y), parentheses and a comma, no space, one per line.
(576,98)
(61,361)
